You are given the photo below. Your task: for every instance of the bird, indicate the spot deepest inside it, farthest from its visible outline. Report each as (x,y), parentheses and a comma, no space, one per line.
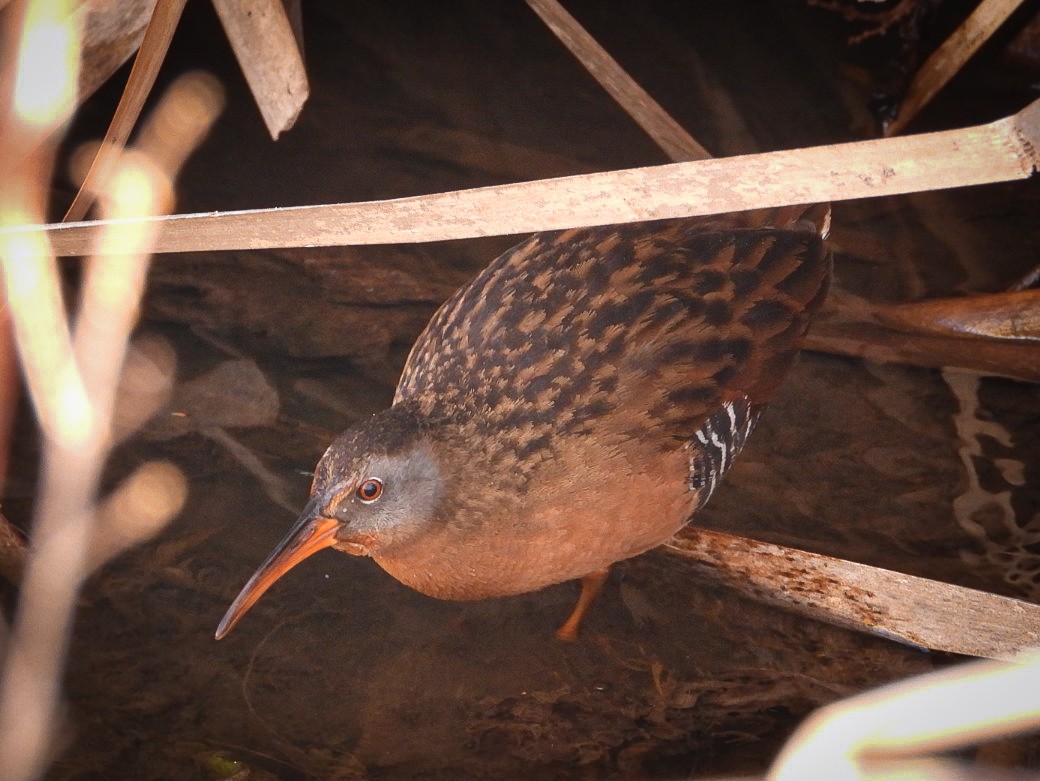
(571,407)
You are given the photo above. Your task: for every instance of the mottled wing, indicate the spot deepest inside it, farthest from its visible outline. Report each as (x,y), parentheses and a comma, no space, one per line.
(645,330)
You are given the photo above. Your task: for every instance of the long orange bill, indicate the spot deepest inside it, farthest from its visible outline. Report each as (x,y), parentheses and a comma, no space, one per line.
(309,534)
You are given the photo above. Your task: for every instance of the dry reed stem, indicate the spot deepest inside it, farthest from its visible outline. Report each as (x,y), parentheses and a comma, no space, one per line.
(1005,150)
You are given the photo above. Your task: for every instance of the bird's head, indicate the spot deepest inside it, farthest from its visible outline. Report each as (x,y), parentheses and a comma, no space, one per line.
(376,486)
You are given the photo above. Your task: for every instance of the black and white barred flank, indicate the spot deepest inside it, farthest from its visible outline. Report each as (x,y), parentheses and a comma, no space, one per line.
(717,444)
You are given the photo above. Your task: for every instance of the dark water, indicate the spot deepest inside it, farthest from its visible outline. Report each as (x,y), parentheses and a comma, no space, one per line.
(340,672)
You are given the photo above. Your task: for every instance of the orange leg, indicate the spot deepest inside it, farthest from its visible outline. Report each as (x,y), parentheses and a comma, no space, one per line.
(591,585)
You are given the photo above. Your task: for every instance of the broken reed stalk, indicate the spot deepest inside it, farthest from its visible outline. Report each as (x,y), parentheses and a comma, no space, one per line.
(950,57)
(1005,150)
(268,52)
(917,611)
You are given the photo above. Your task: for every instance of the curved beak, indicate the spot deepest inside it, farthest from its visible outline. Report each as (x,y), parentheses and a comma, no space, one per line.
(309,534)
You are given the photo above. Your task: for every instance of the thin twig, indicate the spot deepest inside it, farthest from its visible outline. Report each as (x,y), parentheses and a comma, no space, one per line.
(636,101)
(150,56)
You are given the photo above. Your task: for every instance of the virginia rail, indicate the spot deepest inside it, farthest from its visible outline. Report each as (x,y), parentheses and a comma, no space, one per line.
(571,407)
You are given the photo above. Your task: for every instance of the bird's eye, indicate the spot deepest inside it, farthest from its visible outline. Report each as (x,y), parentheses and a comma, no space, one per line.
(370,490)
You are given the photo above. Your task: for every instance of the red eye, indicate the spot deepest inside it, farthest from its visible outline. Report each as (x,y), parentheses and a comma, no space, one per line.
(370,490)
